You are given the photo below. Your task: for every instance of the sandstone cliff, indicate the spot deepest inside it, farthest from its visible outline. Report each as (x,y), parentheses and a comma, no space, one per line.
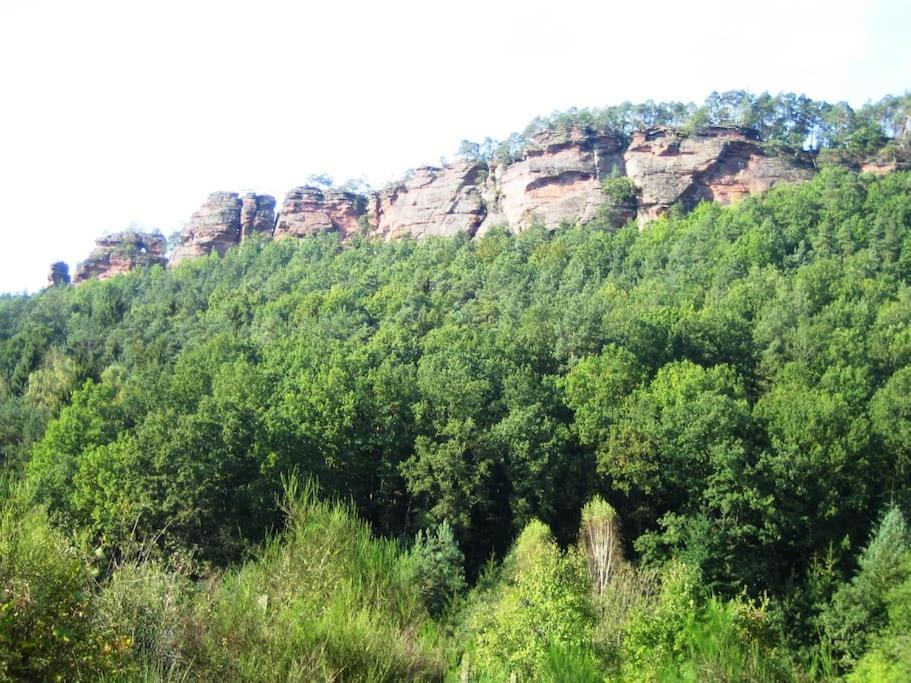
(121,252)
(560,178)
(222,221)
(717,164)
(308,210)
(432,201)
(257,215)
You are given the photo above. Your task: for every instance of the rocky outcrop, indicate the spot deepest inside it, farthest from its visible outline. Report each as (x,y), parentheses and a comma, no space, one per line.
(432,201)
(717,164)
(308,210)
(122,252)
(559,180)
(58,275)
(571,176)
(221,221)
(257,215)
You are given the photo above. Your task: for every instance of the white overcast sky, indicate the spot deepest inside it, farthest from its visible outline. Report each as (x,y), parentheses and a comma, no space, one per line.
(119,112)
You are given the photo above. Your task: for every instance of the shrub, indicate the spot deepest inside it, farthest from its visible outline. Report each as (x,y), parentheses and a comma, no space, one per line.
(151,605)
(324,600)
(438,563)
(544,604)
(46,613)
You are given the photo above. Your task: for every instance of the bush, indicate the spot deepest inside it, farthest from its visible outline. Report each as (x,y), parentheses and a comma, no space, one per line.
(46,612)
(438,564)
(544,604)
(322,601)
(680,638)
(151,605)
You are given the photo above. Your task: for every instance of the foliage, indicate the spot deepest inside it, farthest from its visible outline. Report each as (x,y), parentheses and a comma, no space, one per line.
(732,383)
(682,638)
(601,544)
(439,566)
(322,601)
(890,657)
(787,120)
(45,608)
(859,609)
(542,609)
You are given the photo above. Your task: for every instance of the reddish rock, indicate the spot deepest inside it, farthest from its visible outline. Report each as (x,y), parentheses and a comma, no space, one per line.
(257,215)
(559,180)
(214,227)
(221,221)
(308,210)
(431,201)
(718,164)
(122,252)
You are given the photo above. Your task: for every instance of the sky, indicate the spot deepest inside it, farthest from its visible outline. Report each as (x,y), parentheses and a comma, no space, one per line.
(119,113)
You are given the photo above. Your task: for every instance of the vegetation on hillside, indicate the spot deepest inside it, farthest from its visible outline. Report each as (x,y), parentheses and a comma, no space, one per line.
(675,454)
(835,131)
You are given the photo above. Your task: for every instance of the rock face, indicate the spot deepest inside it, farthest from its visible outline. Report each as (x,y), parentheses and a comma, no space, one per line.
(571,176)
(221,221)
(308,210)
(257,215)
(558,180)
(433,201)
(121,252)
(720,164)
(59,274)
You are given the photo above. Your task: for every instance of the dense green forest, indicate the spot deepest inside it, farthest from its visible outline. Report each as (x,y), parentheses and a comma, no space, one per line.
(675,454)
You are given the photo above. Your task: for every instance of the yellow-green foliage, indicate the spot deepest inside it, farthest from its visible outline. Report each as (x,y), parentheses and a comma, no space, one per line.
(657,632)
(45,603)
(681,638)
(890,657)
(323,601)
(544,602)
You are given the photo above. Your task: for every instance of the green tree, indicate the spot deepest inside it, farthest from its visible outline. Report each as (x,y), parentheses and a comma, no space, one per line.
(438,564)
(859,609)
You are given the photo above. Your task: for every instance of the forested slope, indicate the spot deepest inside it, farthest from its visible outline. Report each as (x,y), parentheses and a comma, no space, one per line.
(727,392)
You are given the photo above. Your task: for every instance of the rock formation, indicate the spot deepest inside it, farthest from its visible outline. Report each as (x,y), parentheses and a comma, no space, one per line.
(308,210)
(257,215)
(121,252)
(571,176)
(59,274)
(222,221)
(558,180)
(432,201)
(719,164)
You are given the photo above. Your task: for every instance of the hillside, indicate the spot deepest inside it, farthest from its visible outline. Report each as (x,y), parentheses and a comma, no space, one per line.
(674,453)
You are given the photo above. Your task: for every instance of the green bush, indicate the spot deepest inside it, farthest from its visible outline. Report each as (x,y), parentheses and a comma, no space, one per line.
(438,565)
(324,600)
(544,603)
(682,637)
(46,609)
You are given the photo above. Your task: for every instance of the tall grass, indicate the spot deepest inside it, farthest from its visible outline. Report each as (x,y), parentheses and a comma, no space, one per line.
(718,646)
(322,601)
(46,610)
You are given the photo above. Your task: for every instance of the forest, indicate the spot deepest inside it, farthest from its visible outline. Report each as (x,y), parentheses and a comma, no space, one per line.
(680,453)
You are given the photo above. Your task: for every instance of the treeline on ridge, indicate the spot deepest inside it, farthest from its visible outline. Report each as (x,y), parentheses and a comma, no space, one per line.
(834,133)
